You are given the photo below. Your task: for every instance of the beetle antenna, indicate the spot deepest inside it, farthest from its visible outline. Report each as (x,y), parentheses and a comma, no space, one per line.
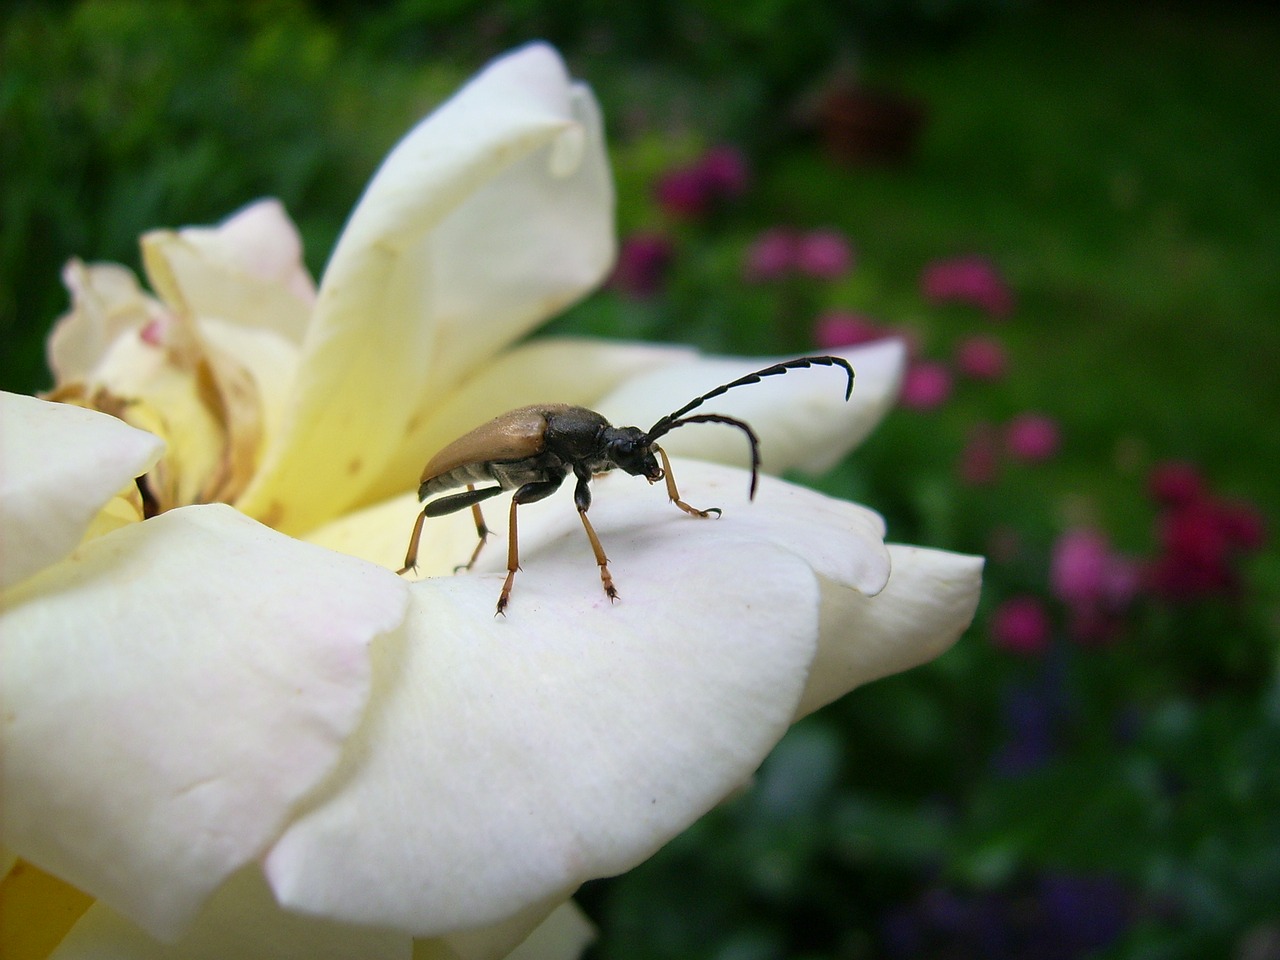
(672,420)
(745,428)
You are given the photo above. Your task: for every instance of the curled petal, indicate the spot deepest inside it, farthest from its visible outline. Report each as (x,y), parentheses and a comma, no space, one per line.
(170,692)
(240,921)
(801,417)
(492,214)
(928,603)
(59,465)
(248,270)
(506,760)
(545,931)
(106,302)
(532,372)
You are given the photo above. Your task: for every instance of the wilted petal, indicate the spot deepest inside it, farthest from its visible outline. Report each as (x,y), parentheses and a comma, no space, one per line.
(928,603)
(801,417)
(491,214)
(506,760)
(247,270)
(240,922)
(59,465)
(106,301)
(553,370)
(170,692)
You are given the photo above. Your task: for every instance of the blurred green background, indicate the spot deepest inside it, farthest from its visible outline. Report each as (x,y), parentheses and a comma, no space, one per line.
(1095,769)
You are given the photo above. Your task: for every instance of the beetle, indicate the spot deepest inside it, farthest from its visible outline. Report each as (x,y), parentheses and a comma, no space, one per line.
(533,449)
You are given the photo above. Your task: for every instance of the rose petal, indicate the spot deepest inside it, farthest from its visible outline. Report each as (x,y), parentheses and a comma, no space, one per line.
(59,465)
(801,417)
(556,928)
(928,603)
(509,759)
(248,270)
(493,213)
(240,921)
(529,373)
(106,302)
(170,692)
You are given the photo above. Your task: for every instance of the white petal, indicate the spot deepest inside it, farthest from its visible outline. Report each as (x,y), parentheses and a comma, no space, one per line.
(170,692)
(473,230)
(240,922)
(506,760)
(59,465)
(248,270)
(552,370)
(106,302)
(929,602)
(801,417)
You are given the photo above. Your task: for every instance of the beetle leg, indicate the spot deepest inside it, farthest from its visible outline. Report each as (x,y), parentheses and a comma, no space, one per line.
(529,493)
(582,498)
(674,494)
(482,531)
(438,508)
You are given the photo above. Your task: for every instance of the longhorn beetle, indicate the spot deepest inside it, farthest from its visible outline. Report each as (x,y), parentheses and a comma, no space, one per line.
(533,449)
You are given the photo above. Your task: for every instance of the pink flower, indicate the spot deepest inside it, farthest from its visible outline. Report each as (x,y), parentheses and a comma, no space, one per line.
(981,358)
(1094,582)
(1032,437)
(970,280)
(643,259)
(926,386)
(1021,625)
(771,256)
(842,328)
(824,254)
(1078,572)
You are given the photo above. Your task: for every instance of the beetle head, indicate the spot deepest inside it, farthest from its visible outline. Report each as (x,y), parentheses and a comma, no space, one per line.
(630,449)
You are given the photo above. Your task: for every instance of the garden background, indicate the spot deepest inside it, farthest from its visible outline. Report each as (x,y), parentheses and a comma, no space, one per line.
(1071,213)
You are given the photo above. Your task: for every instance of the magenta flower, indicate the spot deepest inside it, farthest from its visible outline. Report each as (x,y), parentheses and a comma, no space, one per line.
(843,328)
(981,358)
(691,191)
(726,171)
(643,260)
(971,280)
(824,254)
(771,255)
(980,458)
(926,386)
(1095,583)
(1175,483)
(1021,625)
(1033,437)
